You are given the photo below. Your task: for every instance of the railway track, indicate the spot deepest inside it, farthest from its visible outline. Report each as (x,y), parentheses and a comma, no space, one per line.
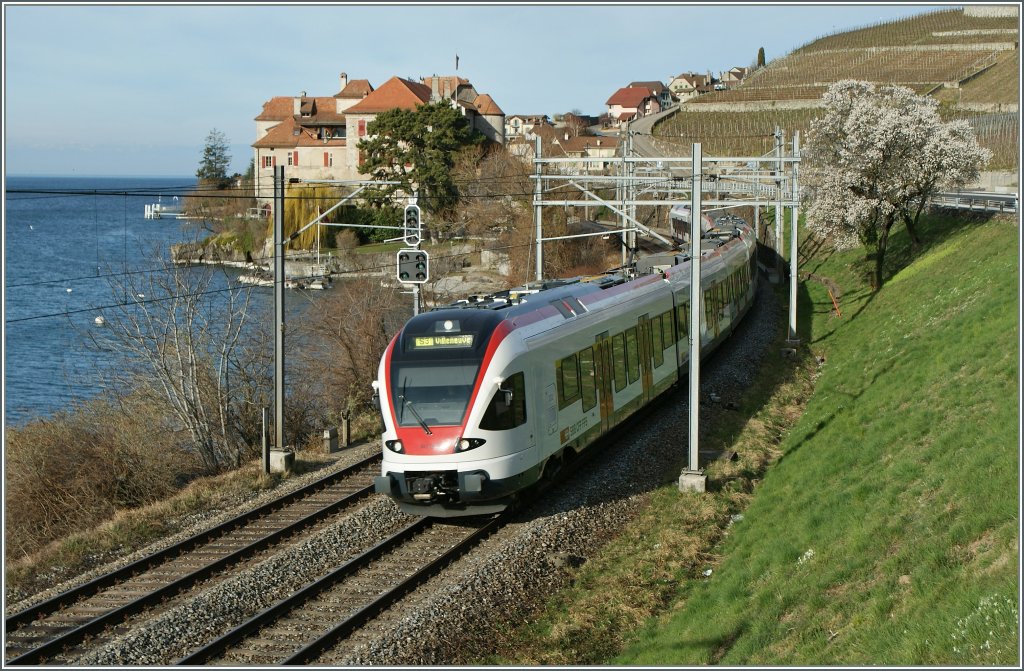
(303,626)
(54,630)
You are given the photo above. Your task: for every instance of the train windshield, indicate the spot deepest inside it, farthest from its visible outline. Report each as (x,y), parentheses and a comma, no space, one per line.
(432,394)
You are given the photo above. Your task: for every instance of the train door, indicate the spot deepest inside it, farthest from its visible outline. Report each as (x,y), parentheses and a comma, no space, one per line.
(603,366)
(646,372)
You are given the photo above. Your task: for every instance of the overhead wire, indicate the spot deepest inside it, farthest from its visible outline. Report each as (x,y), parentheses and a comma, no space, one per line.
(127,303)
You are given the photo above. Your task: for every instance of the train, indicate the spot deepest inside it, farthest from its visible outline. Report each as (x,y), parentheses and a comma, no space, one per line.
(484,398)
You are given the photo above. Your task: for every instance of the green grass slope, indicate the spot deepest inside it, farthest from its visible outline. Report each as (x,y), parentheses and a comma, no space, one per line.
(887,533)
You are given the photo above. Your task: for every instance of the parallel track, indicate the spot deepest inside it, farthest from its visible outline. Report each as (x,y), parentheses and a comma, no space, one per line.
(300,628)
(41,632)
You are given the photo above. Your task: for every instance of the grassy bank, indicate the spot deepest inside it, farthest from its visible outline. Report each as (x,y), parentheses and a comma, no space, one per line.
(887,530)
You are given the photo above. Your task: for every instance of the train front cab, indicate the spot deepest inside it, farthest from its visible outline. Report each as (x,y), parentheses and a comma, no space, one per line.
(457,439)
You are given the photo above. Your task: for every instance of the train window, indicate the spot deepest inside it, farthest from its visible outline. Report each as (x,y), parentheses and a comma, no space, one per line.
(666,330)
(657,348)
(432,393)
(632,355)
(507,408)
(619,361)
(683,315)
(568,377)
(588,383)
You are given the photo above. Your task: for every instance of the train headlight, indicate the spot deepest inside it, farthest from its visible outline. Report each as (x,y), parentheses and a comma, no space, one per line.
(394,445)
(466,444)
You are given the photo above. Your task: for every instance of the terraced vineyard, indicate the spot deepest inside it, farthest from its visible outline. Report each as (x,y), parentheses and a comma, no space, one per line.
(970,64)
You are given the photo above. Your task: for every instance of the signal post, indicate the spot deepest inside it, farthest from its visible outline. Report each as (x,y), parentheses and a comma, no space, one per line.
(412,263)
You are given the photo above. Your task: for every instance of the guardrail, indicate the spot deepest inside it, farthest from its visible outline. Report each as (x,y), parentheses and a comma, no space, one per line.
(987,202)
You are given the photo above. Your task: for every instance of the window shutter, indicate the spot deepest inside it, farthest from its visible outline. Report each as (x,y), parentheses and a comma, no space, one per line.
(326,158)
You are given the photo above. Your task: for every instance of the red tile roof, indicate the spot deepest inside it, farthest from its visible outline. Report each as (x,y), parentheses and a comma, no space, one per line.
(629,97)
(283,136)
(394,93)
(446,85)
(655,87)
(321,109)
(276,109)
(486,106)
(357,88)
(581,143)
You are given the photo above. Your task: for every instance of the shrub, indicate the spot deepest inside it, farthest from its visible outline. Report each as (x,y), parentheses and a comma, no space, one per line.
(79,467)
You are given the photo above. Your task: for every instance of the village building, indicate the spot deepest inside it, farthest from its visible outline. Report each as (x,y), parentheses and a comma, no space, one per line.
(665,97)
(562,143)
(629,103)
(517,124)
(317,137)
(689,85)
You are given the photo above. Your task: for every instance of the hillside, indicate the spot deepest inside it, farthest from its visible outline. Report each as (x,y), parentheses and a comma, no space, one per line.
(887,533)
(970,64)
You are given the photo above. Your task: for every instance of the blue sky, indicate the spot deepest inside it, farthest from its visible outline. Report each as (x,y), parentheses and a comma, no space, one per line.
(135,89)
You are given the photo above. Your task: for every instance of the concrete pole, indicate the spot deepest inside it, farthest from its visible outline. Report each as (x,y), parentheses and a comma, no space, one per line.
(620,193)
(538,209)
(793,240)
(279,307)
(631,192)
(265,439)
(692,478)
(780,138)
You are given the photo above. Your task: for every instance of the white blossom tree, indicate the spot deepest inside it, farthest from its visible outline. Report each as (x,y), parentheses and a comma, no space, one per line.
(875,157)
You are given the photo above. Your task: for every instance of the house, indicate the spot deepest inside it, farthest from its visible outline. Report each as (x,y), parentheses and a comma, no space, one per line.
(307,133)
(317,137)
(665,97)
(733,76)
(561,143)
(689,85)
(517,124)
(628,104)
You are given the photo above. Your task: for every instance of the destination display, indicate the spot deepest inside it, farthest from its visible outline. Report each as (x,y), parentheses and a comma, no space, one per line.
(443,341)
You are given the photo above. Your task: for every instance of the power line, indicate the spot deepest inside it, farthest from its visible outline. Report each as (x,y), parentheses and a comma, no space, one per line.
(234,288)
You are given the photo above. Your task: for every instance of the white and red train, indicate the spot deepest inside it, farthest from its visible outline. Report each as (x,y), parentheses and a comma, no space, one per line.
(483,398)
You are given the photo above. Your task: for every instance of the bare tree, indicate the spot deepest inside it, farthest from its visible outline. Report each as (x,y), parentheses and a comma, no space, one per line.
(345,334)
(181,336)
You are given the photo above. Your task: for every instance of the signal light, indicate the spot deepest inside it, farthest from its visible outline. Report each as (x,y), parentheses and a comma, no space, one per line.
(411,224)
(413,266)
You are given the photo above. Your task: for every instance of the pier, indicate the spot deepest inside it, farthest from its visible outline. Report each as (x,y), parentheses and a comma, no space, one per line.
(161,211)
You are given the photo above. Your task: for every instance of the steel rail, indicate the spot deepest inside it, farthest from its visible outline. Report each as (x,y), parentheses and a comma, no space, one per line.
(149,561)
(254,623)
(117,615)
(388,598)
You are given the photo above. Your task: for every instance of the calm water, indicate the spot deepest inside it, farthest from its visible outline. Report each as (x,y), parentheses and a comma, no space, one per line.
(55,245)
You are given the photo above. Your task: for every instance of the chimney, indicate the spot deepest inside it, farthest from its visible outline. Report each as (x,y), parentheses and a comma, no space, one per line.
(344,81)
(566,135)
(297,103)
(434,95)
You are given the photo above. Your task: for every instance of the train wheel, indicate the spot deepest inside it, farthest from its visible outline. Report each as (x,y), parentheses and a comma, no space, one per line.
(552,468)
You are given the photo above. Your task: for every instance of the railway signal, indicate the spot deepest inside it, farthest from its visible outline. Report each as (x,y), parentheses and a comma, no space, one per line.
(411,225)
(413,266)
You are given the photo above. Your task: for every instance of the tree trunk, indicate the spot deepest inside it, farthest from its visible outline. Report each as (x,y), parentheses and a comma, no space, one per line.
(911,224)
(883,240)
